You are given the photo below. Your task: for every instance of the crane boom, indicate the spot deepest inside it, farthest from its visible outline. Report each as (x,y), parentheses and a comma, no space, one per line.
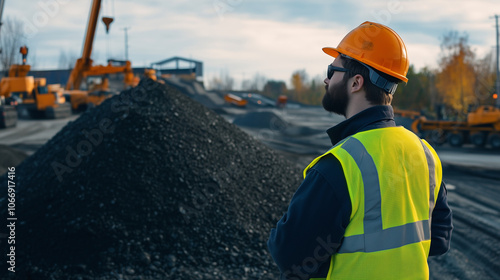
(85,62)
(89,37)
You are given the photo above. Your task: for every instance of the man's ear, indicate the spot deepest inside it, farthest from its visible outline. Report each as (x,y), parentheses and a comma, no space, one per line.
(357,83)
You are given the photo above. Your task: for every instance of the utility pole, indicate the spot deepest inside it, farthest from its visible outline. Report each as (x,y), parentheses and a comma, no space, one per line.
(497,91)
(126,42)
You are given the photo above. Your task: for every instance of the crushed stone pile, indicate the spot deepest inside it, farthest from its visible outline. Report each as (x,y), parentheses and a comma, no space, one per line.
(149,185)
(262,119)
(272,121)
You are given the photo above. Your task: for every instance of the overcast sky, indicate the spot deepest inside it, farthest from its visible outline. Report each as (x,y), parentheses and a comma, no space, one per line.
(243,37)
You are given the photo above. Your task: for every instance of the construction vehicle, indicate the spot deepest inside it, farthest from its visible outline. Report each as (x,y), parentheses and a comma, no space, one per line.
(482,127)
(84,68)
(8,112)
(235,100)
(406,113)
(98,88)
(281,101)
(151,74)
(32,94)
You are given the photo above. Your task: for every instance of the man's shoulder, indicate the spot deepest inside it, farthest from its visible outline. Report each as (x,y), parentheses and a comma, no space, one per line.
(329,167)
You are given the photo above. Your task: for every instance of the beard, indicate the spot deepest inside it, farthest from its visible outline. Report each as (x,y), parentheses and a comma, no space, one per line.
(336,100)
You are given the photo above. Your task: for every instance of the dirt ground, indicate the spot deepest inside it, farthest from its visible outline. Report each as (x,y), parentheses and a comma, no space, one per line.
(474,198)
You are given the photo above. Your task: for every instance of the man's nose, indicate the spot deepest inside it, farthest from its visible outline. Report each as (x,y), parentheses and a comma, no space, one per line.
(326,81)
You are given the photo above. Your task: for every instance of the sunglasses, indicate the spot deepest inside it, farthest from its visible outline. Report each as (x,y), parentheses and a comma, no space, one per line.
(332,69)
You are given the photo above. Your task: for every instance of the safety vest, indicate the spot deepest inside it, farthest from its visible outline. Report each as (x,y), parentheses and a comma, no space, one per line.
(393,178)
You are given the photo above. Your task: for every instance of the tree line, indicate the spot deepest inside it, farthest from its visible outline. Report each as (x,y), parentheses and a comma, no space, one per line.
(461,82)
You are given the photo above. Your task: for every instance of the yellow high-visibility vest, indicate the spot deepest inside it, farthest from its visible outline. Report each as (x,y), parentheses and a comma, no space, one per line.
(393,178)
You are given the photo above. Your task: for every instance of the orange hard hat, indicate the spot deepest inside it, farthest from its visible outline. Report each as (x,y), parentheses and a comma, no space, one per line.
(375,45)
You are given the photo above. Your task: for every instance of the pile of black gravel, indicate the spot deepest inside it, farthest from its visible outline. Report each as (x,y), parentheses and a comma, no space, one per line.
(262,119)
(149,185)
(10,157)
(273,122)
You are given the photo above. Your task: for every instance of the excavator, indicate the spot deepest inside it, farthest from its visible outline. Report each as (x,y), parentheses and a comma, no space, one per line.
(96,93)
(32,94)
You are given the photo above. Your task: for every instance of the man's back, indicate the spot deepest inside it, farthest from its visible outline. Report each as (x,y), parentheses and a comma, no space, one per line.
(391,177)
(322,209)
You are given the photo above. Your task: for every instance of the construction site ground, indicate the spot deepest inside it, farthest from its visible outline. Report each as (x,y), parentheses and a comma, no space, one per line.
(472,176)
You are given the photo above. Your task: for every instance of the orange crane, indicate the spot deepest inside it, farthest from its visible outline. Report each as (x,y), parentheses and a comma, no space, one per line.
(84,67)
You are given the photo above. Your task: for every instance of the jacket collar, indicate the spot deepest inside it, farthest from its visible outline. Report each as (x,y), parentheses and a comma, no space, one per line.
(372,118)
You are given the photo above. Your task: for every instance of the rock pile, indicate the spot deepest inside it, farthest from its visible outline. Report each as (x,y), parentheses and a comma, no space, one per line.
(273,122)
(149,185)
(10,157)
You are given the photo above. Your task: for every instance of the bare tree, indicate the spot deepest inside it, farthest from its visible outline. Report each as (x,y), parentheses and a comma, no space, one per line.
(13,37)
(223,82)
(32,59)
(257,83)
(67,59)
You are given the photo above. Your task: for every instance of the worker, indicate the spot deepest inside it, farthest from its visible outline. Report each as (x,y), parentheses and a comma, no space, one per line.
(374,206)
(24,52)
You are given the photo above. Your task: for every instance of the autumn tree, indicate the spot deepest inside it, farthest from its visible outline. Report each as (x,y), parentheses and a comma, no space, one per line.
(418,93)
(299,84)
(316,90)
(273,89)
(457,79)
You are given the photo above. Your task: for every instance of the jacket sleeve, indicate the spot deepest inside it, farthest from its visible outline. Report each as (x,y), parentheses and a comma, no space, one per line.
(441,224)
(312,229)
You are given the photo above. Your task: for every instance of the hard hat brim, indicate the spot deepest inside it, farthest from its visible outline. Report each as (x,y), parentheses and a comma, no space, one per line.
(331,51)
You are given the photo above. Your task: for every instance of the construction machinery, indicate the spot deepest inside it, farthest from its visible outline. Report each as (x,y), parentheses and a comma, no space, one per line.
(151,74)
(235,100)
(8,113)
(32,94)
(281,101)
(481,128)
(84,68)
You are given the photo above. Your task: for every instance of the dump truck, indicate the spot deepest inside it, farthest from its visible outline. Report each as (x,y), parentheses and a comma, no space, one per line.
(481,129)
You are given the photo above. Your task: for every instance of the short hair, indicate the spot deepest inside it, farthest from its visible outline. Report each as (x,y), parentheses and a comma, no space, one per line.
(374,94)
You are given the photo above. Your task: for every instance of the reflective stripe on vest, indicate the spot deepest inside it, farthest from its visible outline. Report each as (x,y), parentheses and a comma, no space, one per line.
(432,180)
(375,238)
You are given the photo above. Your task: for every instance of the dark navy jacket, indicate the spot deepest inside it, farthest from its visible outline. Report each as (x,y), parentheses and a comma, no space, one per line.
(319,212)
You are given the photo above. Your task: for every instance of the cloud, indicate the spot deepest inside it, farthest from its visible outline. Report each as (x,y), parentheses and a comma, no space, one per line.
(273,38)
